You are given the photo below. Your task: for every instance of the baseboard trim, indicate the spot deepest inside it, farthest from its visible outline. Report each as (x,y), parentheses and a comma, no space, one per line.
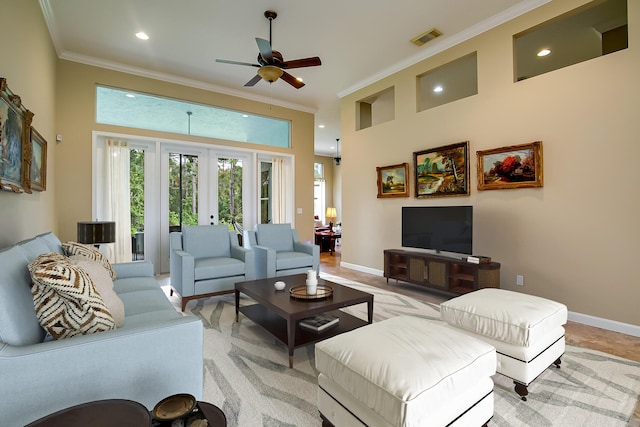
(586,319)
(362,269)
(610,325)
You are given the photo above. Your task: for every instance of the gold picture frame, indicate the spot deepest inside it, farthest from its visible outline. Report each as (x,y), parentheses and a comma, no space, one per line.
(442,171)
(38,166)
(514,166)
(393,180)
(15,145)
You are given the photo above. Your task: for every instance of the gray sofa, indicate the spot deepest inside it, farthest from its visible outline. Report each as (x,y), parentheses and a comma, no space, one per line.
(156,353)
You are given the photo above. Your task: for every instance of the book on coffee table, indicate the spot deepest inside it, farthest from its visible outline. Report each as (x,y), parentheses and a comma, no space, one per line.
(319,322)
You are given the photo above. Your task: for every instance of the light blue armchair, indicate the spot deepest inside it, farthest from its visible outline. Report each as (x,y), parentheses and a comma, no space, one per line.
(278,251)
(206,260)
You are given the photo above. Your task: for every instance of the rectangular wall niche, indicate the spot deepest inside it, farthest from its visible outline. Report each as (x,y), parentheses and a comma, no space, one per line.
(376,109)
(452,81)
(594,30)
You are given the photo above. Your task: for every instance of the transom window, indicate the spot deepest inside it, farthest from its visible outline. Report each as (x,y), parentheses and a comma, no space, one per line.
(143,111)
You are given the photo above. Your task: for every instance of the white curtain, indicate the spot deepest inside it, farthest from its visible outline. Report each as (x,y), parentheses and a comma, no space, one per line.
(117,197)
(279,195)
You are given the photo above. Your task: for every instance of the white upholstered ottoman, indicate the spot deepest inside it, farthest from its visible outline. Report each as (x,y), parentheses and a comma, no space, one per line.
(405,371)
(526,330)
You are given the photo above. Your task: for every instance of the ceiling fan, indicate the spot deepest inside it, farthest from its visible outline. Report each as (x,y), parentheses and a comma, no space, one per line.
(271,65)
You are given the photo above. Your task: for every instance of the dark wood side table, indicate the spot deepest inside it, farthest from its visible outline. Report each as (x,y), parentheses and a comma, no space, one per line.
(330,237)
(101,413)
(118,412)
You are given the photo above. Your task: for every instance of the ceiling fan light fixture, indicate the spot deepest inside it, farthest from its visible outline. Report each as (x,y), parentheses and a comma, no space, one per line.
(270,73)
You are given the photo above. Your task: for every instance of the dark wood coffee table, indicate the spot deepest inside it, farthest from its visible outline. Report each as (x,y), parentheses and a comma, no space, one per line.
(279,314)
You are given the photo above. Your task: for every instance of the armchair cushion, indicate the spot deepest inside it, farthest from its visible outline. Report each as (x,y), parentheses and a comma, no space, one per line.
(275,236)
(289,260)
(206,241)
(208,268)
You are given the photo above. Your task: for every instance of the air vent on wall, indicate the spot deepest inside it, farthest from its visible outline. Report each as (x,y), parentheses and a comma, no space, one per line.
(426,37)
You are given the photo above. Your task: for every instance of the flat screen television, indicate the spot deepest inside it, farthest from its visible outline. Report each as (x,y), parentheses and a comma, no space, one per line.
(439,228)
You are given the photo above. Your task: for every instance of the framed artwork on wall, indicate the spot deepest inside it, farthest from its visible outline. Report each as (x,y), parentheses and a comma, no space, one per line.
(515,166)
(15,146)
(38,167)
(392,180)
(442,171)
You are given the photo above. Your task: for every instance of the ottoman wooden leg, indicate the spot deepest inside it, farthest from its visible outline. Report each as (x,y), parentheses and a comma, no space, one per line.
(521,389)
(326,422)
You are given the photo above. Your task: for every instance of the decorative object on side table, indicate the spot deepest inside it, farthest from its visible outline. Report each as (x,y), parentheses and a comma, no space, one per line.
(331,214)
(515,166)
(442,171)
(393,181)
(312,282)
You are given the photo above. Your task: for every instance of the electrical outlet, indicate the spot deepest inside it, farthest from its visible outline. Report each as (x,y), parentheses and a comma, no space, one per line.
(520,280)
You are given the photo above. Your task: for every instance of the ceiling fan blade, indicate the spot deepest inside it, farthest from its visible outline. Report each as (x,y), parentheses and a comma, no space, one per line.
(265,49)
(299,63)
(253,81)
(225,61)
(291,80)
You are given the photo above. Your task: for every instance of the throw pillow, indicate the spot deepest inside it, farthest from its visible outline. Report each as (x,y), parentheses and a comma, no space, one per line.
(74,248)
(66,301)
(103,284)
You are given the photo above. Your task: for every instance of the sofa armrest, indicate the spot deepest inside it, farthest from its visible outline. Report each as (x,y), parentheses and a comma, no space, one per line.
(182,273)
(144,364)
(248,256)
(133,269)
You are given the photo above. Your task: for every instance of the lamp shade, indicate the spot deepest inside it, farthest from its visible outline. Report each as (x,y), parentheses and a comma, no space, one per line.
(331,213)
(96,232)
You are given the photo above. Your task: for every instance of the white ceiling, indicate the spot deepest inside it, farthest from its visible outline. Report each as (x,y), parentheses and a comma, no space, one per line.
(358,41)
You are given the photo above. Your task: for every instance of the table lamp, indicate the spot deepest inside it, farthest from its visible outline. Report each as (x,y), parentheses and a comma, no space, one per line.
(96,232)
(331,214)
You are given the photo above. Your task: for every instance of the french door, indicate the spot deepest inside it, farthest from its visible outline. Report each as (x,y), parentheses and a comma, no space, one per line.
(177,183)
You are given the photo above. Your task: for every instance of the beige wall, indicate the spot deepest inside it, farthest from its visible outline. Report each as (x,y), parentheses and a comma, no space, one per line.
(76,121)
(28,63)
(576,240)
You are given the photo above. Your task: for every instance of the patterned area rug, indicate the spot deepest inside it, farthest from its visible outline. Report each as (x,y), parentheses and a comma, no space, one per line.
(247,374)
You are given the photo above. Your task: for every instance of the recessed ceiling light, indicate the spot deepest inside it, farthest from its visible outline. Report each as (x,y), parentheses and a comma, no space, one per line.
(142,35)
(544,52)
(321,126)
(130,95)
(438,89)
(245,115)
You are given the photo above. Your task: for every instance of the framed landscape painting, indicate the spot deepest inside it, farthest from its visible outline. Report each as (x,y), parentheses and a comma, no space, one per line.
(442,171)
(392,180)
(38,168)
(15,148)
(515,166)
